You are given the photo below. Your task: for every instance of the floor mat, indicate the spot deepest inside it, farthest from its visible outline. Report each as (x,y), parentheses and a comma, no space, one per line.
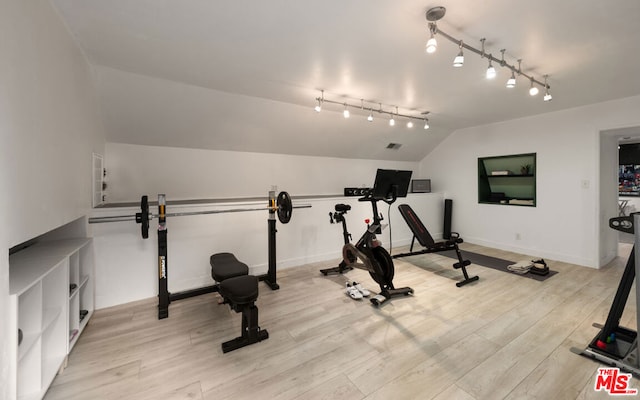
(494,263)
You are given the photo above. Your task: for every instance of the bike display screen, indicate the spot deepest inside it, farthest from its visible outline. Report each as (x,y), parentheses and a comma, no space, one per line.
(391,183)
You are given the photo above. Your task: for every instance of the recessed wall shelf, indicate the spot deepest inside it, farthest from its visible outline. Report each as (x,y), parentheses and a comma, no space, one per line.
(507,180)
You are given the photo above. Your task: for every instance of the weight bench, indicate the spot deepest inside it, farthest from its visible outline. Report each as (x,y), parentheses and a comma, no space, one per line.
(240,291)
(431,246)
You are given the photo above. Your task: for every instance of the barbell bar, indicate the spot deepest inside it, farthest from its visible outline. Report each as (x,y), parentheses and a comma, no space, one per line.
(118,218)
(281,205)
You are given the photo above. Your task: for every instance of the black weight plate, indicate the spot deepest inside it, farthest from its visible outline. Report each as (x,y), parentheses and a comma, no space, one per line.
(143,217)
(285,207)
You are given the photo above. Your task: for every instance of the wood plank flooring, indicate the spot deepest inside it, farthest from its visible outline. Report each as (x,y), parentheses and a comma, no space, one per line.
(503,337)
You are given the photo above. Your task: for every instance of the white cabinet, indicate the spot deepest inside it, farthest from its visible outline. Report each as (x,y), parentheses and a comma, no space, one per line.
(49,284)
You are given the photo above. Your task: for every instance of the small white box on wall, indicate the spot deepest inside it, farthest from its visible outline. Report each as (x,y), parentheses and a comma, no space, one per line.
(421,186)
(98,180)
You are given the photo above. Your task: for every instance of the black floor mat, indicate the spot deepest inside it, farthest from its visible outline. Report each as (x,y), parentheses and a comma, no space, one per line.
(494,263)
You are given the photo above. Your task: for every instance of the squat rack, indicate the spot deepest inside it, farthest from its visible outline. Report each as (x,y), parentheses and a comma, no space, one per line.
(280,206)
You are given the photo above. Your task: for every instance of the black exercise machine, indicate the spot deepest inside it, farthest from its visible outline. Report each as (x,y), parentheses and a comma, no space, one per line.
(425,239)
(616,345)
(338,216)
(389,185)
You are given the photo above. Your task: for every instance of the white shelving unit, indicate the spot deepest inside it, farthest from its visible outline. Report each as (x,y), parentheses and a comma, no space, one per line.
(47,310)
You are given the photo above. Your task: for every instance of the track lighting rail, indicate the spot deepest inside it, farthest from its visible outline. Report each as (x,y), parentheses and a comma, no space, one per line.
(490,56)
(436,13)
(379,110)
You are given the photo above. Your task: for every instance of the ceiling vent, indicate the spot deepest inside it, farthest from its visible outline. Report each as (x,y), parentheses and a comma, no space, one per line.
(394,146)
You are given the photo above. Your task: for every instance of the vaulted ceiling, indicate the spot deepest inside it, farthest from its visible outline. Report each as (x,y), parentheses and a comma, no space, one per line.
(243,75)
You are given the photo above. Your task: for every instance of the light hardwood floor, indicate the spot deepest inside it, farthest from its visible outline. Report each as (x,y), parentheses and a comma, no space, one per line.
(503,337)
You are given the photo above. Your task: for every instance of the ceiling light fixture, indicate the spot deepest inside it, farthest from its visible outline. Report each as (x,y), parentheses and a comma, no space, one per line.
(512,81)
(370,117)
(436,13)
(491,72)
(426,123)
(533,90)
(459,60)
(394,115)
(547,95)
(432,44)
(320,100)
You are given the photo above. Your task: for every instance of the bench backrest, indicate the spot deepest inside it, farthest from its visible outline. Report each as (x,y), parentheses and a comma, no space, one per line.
(419,231)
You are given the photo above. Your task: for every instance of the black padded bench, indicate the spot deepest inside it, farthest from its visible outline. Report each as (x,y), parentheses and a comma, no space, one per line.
(225,266)
(240,291)
(425,239)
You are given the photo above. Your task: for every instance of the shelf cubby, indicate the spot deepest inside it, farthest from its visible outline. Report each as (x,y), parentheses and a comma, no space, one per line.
(45,309)
(507,180)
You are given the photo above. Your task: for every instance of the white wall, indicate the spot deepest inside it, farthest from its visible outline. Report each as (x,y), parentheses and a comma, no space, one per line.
(6,375)
(565,225)
(49,127)
(608,177)
(52,120)
(7,388)
(126,264)
(134,170)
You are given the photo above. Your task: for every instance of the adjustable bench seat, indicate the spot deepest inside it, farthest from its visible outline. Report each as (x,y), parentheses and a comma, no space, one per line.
(225,266)
(240,291)
(425,239)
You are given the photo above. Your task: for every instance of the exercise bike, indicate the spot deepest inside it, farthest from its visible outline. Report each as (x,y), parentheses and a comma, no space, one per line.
(372,257)
(335,217)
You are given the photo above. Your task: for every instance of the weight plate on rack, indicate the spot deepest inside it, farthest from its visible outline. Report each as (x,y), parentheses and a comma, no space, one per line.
(285,207)
(143,217)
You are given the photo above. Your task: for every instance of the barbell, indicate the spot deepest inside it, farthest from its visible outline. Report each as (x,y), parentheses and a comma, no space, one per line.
(280,205)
